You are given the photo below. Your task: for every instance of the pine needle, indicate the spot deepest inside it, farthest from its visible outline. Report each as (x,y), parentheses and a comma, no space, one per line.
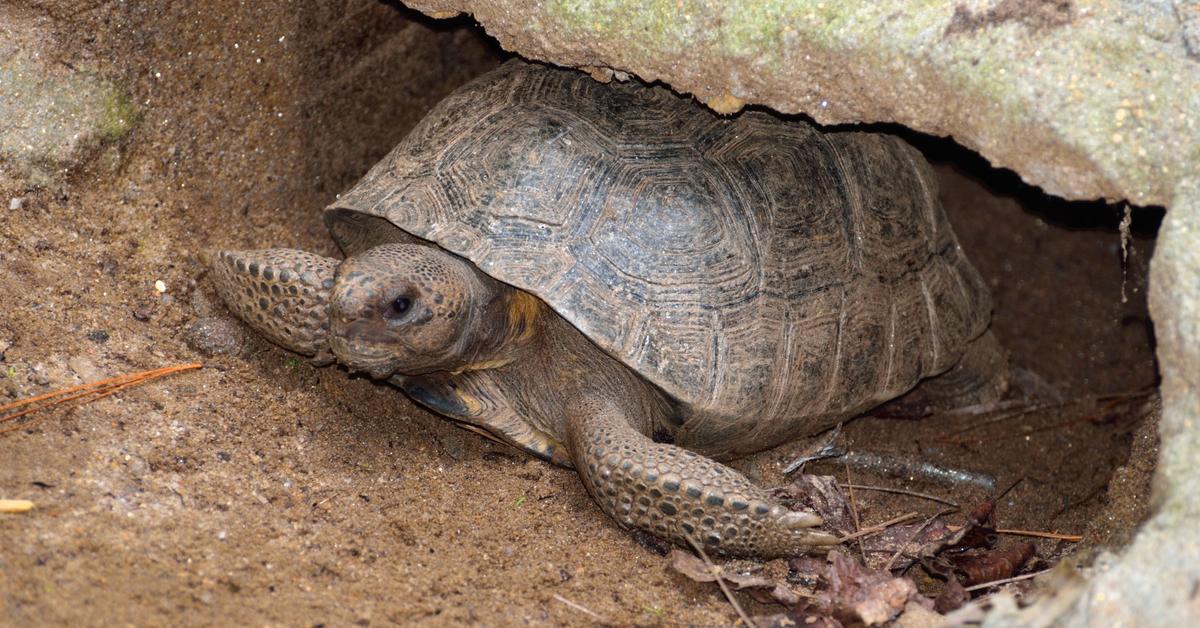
(81,394)
(1074,538)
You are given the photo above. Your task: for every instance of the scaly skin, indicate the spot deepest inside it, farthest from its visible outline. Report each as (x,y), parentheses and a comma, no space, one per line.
(282,293)
(540,370)
(675,493)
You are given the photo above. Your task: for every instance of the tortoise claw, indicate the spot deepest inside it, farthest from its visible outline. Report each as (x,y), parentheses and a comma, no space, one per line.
(797,520)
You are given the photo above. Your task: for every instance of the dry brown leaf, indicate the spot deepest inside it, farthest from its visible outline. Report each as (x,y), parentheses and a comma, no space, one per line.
(1000,564)
(696,569)
(868,596)
(952,597)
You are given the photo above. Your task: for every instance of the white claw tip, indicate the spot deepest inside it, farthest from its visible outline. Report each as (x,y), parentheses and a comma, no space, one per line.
(796,520)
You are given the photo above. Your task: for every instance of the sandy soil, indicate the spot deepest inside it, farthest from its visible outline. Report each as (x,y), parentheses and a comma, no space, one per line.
(262,490)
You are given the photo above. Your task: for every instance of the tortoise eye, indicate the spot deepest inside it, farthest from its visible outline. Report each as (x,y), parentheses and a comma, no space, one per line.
(398,308)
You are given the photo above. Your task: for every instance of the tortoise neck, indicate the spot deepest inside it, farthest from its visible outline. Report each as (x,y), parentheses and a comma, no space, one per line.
(558,365)
(505,329)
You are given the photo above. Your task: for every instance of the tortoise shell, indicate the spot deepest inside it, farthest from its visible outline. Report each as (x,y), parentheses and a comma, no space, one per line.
(772,278)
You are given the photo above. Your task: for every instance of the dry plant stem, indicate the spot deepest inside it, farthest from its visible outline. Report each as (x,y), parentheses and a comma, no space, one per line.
(581,608)
(900,491)
(877,528)
(1073,538)
(854,513)
(90,392)
(716,572)
(98,394)
(996,583)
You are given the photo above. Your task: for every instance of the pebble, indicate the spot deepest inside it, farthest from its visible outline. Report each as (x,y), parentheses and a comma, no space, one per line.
(37,375)
(212,335)
(98,336)
(9,386)
(85,369)
(143,312)
(160,285)
(16,203)
(202,305)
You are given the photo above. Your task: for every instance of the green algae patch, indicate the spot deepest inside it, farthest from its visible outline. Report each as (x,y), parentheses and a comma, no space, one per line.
(119,116)
(758,30)
(56,119)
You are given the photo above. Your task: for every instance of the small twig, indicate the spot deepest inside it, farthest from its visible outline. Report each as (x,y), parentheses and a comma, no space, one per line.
(996,583)
(827,447)
(901,491)
(15,505)
(87,392)
(581,608)
(1008,490)
(877,528)
(854,512)
(1074,538)
(1107,404)
(888,565)
(716,572)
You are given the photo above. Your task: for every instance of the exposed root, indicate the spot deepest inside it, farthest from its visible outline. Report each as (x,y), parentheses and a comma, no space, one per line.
(877,528)
(901,491)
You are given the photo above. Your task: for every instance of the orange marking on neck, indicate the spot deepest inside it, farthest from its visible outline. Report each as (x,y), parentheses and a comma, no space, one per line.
(482,366)
(523,312)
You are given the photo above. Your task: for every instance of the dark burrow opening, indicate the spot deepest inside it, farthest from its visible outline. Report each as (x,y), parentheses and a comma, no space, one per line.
(1074,444)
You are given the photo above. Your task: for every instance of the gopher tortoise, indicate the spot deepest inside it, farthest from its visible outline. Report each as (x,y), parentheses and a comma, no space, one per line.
(616,279)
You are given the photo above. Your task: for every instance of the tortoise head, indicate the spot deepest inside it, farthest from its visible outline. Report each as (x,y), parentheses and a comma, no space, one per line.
(412,309)
(395,308)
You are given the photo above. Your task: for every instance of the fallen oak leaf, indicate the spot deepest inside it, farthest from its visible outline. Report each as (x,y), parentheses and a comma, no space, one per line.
(908,542)
(807,570)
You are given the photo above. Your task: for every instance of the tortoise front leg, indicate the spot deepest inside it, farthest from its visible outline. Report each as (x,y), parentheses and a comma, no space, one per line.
(475,402)
(675,493)
(282,293)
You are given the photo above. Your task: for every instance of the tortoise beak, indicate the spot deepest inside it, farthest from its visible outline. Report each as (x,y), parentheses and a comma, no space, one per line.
(282,293)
